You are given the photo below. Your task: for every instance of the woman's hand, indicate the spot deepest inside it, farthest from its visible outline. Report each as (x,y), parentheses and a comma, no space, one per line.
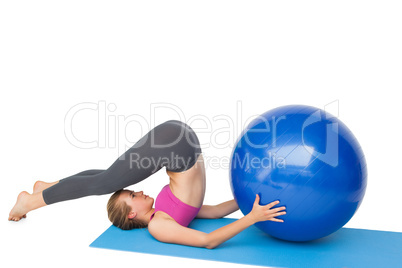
(266,213)
(169,231)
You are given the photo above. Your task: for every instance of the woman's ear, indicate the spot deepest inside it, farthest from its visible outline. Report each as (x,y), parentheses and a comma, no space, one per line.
(132,215)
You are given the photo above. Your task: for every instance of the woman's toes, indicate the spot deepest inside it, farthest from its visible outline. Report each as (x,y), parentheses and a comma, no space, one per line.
(19,210)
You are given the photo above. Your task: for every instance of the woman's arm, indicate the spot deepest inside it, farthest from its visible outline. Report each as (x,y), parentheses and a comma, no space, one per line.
(218,211)
(169,231)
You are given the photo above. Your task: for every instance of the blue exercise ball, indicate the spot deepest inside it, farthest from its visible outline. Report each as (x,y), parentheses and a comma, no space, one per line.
(309,161)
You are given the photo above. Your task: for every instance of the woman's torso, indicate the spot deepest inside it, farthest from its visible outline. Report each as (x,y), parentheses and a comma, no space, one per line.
(189,186)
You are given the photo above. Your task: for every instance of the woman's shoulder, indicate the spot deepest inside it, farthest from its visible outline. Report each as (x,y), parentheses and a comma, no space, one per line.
(159,218)
(167,230)
(161,224)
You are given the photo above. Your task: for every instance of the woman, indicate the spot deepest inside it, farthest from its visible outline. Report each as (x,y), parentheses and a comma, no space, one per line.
(173,145)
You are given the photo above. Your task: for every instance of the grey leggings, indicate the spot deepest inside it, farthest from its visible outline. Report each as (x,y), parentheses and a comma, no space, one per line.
(173,145)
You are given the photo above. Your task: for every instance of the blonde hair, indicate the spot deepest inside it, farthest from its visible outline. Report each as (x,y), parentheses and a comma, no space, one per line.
(118,213)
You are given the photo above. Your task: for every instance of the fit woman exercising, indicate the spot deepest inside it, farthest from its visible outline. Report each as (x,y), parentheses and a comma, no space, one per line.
(173,145)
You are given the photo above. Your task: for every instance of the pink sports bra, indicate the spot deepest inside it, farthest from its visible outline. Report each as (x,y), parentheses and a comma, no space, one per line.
(167,202)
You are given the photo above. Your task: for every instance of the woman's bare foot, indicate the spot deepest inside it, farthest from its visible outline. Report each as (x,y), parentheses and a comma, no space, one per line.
(39,186)
(19,210)
(26,202)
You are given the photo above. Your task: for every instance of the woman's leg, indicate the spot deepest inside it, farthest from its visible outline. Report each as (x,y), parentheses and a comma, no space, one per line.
(39,186)
(27,202)
(173,145)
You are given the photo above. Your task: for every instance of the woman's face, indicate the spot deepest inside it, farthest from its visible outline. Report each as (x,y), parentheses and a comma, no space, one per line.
(138,201)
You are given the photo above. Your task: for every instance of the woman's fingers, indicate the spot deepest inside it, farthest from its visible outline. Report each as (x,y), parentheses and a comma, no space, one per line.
(278,209)
(273,216)
(279,214)
(270,205)
(257,199)
(277,220)
(268,212)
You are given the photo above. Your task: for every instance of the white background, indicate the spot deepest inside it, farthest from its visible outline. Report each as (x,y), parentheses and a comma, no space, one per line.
(202,57)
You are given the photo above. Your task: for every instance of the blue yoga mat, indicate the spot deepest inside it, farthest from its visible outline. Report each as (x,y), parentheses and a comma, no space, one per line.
(345,248)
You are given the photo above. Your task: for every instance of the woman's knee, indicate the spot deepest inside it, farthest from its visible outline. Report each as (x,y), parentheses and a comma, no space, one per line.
(173,130)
